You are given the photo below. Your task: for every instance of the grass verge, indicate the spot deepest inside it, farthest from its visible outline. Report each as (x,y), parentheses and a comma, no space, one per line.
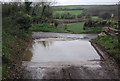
(110,44)
(14,44)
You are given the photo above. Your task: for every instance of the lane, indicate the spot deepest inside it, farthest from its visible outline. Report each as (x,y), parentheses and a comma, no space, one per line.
(37,35)
(66,56)
(52,50)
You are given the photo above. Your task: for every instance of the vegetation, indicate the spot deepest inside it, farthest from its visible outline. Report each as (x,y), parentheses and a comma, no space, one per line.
(72,12)
(110,44)
(67,28)
(14,43)
(74,6)
(23,20)
(104,12)
(78,11)
(92,30)
(15,36)
(103,23)
(46,28)
(79,28)
(17,19)
(75,27)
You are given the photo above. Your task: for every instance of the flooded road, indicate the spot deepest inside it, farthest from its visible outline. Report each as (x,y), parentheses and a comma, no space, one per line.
(37,35)
(66,56)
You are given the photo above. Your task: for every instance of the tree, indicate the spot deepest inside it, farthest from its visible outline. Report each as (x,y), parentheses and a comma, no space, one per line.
(23,21)
(42,9)
(27,6)
(105,15)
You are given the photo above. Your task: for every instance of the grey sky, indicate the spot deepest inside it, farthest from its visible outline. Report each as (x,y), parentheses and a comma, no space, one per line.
(75,2)
(85,2)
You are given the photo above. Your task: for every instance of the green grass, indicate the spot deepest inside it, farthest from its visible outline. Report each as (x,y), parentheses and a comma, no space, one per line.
(95,17)
(78,28)
(65,20)
(73,12)
(14,44)
(75,6)
(75,27)
(68,28)
(46,28)
(0,44)
(110,44)
(92,30)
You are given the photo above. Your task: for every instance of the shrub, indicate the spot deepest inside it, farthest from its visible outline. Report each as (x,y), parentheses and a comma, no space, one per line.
(23,21)
(103,23)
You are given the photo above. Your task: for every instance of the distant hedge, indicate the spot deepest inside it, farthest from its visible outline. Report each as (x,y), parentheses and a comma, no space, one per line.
(103,23)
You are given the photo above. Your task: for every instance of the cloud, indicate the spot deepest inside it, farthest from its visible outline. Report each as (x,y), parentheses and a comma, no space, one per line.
(77,2)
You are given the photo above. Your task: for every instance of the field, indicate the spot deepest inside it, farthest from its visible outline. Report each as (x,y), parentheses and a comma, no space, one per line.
(72,12)
(75,6)
(95,17)
(75,27)
(78,28)
(46,28)
(69,28)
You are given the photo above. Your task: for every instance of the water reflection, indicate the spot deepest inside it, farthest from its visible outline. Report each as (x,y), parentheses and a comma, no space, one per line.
(45,43)
(61,51)
(29,52)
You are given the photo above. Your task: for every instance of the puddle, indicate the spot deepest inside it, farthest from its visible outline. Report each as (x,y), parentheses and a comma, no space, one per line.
(66,56)
(60,50)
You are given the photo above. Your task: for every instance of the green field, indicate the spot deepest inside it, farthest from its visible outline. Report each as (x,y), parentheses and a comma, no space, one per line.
(73,12)
(75,6)
(78,28)
(69,28)
(75,27)
(95,17)
(46,28)
(65,19)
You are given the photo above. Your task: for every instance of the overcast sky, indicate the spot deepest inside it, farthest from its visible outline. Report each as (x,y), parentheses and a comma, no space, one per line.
(85,2)
(76,2)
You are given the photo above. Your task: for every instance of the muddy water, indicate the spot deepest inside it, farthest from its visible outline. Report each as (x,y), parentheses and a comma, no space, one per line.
(47,50)
(66,56)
